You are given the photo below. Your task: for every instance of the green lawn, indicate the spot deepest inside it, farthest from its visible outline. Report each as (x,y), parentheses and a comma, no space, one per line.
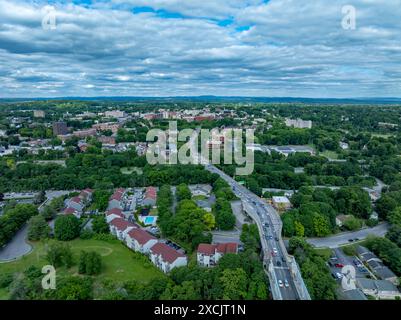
(3,294)
(153,212)
(329,154)
(379,135)
(200,197)
(119,263)
(324,252)
(129,170)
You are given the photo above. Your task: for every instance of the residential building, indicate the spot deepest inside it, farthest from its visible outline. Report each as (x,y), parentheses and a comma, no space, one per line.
(200,190)
(342,218)
(380,289)
(150,196)
(114,213)
(60,128)
(111,141)
(84,133)
(376,265)
(115,114)
(76,203)
(166,258)
(209,254)
(140,240)
(86,194)
(73,211)
(38,113)
(120,228)
(112,126)
(281,203)
(298,123)
(116,199)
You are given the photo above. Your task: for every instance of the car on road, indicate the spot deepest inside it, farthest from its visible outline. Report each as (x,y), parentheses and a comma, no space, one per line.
(278,264)
(283,259)
(339,265)
(286,284)
(274,251)
(362,270)
(280,284)
(269,237)
(350,240)
(356,239)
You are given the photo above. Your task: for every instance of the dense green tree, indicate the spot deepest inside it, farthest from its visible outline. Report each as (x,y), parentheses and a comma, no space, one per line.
(66,227)
(99,225)
(38,228)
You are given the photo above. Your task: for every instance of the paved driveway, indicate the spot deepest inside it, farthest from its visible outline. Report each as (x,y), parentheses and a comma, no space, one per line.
(17,247)
(226,236)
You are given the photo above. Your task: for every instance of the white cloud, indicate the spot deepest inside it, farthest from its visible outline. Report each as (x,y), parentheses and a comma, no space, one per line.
(292,48)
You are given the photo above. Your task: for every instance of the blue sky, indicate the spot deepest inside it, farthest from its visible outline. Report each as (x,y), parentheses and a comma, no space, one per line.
(200,47)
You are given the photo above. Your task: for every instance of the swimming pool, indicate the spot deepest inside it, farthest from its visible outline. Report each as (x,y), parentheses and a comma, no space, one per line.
(150,220)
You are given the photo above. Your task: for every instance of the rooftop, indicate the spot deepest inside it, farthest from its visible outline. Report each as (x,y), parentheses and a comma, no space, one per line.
(167,253)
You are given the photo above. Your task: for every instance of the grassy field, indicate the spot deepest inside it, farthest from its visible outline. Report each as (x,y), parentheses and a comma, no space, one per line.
(129,170)
(153,212)
(324,252)
(329,154)
(200,197)
(119,262)
(379,135)
(3,294)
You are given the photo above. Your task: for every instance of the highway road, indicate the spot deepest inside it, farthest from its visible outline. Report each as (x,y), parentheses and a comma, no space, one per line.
(270,235)
(343,238)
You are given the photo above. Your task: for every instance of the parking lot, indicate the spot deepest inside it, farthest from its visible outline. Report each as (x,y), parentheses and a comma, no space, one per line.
(338,261)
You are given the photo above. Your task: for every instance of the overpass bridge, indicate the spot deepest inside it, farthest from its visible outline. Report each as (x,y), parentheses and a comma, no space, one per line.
(278,264)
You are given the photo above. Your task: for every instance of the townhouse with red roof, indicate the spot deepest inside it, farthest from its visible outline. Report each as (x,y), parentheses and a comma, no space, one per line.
(86,195)
(140,240)
(209,254)
(114,213)
(70,210)
(166,258)
(116,199)
(150,197)
(120,228)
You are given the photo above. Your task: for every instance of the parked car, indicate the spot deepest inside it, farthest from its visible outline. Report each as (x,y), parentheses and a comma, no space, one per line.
(339,265)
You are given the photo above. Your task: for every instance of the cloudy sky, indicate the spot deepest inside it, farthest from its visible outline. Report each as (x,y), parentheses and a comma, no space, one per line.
(295,48)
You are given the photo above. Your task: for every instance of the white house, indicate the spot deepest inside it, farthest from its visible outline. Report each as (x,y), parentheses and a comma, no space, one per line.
(140,240)
(209,254)
(281,203)
(166,258)
(120,227)
(200,190)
